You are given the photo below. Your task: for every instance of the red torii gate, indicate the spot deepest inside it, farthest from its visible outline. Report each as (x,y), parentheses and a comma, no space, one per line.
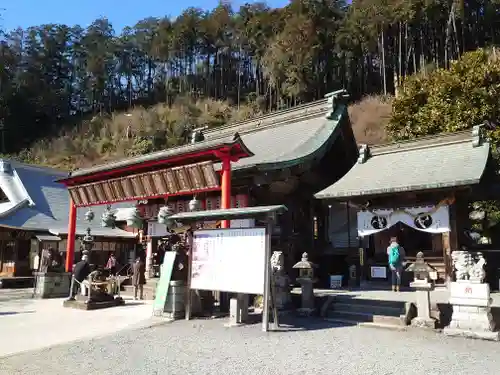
(183,170)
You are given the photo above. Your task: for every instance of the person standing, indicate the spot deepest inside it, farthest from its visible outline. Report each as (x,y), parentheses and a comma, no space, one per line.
(396,256)
(80,273)
(138,278)
(111,264)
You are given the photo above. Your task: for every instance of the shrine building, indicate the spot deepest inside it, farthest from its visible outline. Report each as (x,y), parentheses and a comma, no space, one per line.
(34,216)
(280,158)
(417,190)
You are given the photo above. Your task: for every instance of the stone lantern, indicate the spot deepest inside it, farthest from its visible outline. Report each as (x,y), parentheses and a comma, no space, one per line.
(88,240)
(423,287)
(306,280)
(87,243)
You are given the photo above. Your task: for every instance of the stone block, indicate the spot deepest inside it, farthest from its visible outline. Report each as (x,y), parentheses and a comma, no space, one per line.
(469,294)
(419,322)
(234,312)
(466,309)
(52,284)
(493,336)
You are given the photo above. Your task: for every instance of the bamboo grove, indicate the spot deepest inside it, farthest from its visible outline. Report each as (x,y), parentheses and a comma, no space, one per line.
(53,76)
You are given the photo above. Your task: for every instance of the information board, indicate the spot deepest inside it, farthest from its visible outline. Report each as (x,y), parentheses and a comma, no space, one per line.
(162,287)
(229,260)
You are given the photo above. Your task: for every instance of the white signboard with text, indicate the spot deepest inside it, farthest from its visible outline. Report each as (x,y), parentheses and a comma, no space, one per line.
(378,272)
(229,260)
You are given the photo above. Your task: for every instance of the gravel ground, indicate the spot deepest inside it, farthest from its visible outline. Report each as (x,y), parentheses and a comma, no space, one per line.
(15,294)
(207,347)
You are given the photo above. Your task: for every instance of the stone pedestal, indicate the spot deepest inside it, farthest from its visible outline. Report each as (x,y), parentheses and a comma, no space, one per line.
(238,310)
(422,291)
(52,284)
(307,308)
(175,306)
(282,297)
(471,311)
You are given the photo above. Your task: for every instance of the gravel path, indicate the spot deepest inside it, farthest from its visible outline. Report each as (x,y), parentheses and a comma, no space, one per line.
(15,294)
(207,347)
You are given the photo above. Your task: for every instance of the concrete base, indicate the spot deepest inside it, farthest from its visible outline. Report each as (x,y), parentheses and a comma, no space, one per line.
(492,336)
(52,284)
(419,322)
(83,305)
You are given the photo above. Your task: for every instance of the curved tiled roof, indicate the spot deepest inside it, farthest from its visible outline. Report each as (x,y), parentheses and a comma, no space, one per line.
(48,206)
(288,137)
(443,161)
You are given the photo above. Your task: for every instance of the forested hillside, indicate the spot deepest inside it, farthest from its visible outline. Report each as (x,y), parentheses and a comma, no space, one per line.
(217,65)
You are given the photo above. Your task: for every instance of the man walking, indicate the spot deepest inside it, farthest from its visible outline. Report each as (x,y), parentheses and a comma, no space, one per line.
(396,255)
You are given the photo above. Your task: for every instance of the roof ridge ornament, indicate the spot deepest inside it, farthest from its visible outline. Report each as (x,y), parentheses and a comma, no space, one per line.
(477,136)
(334,98)
(364,153)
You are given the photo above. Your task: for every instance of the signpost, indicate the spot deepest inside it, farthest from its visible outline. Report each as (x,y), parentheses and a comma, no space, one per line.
(164,283)
(232,260)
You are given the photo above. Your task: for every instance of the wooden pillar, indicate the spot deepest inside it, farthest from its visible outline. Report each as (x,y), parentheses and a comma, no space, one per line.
(70,246)
(226,188)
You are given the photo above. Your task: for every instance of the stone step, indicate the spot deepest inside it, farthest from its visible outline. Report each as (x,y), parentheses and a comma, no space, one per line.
(346,322)
(364,308)
(366,317)
(369,302)
(149,291)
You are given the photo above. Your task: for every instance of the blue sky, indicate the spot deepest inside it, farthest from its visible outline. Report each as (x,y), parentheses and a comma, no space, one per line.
(121,13)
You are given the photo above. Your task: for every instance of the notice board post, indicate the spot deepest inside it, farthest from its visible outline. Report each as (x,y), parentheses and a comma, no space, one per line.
(225,249)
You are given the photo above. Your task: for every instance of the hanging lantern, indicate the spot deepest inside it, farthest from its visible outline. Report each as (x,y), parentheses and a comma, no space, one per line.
(194,204)
(108,218)
(89,215)
(164,216)
(134,219)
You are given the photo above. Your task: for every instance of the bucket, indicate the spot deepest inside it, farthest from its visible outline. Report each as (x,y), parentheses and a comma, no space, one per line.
(336,281)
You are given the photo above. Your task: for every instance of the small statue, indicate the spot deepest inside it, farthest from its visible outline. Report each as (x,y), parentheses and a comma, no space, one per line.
(46,261)
(477,273)
(281,281)
(462,262)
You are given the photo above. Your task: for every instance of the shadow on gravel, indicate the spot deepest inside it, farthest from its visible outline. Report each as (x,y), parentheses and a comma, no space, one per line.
(294,323)
(7,313)
(133,303)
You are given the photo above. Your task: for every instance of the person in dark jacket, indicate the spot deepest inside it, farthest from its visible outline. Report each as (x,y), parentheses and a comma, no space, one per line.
(80,273)
(138,278)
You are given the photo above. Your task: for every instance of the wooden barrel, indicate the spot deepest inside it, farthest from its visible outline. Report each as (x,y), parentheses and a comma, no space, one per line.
(176,296)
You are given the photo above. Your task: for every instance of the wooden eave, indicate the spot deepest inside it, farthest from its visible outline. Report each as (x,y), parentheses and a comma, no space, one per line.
(180,180)
(206,151)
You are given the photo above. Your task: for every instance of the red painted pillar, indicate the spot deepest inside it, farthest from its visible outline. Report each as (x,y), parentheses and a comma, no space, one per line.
(70,246)
(226,188)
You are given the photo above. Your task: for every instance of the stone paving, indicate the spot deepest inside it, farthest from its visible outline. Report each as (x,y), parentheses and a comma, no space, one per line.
(206,347)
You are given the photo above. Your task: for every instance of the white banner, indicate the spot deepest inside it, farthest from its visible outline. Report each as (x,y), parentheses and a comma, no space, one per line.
(425,219)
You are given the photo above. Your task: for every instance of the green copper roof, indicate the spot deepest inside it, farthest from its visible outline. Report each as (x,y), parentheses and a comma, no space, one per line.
(289,137)
(229,214)
(447,160)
